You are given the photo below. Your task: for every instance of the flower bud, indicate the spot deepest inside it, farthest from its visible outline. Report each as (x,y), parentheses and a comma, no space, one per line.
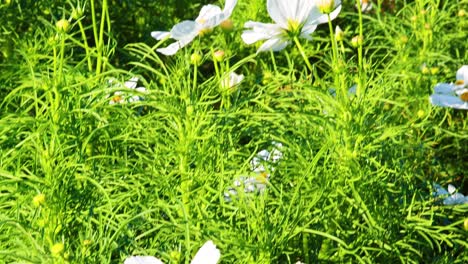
(435,70)
(57,249)
(357,41)
(227,25)
(461,13)
(339,34)
(421,113)
(77,13)
(195,59)
(425,69)
(326,6)
(39,200)
(403,39)
(62,25)
(219,55)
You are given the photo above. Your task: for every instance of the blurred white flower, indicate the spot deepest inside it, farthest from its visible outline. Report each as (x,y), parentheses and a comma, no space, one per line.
(261,165)
(351,91)
(231,81)
(120,97)
(142,260)
(450,196)
(454,95)
(293,18)
(207,254)
(210,16)
(366,6)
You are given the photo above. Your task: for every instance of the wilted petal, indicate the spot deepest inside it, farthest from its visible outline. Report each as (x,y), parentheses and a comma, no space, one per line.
(207,254)
(142,260)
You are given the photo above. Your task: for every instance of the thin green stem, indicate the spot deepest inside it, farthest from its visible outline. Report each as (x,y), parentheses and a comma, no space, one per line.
(360,58)
(85,43)
(304,56)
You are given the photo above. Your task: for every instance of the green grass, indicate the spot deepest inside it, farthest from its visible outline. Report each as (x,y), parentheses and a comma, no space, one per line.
(148,178)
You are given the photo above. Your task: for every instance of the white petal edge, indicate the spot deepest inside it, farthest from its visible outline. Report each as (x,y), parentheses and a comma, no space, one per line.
(462,74)
(159,35)
(142,260)
(448,101)
(207,254)
(273,44)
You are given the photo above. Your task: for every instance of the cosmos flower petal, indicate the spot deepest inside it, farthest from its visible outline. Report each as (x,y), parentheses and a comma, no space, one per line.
(187,29)
(451,189)
(229,7)
(171,49)
(462,74)
(307,30)
(159,35)
(142,260)
(448,101)
(274,44)
(317,17)
(207,12)
(207,254)
(132,83)
(444,88)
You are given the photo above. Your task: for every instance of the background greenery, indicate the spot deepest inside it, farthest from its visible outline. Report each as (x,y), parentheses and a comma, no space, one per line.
(355,182)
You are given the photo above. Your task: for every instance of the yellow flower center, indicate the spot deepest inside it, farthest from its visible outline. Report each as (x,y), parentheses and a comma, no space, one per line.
(464,97)
(294,28)
(459,82)
(326,6)
(205,31)
(117,98)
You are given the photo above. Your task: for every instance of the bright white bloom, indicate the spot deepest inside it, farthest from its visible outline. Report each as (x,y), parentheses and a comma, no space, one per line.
(454,95)
(293,18)
(120,97)
(366,6)
(261,165)
(210,16)
(451,196)
(207,254)
(233,80)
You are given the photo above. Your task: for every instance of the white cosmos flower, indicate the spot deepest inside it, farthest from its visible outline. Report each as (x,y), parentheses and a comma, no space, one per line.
(454,95)
(233,80)
(207,254)
(293,18)
(210,16)
(451,196)
(366,6)
(260,165)
(120,97)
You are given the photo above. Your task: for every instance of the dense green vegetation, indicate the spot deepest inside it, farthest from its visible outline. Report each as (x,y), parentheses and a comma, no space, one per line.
(93,171)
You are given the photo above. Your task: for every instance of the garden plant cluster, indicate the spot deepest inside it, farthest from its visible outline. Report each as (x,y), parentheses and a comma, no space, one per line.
(233,131)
